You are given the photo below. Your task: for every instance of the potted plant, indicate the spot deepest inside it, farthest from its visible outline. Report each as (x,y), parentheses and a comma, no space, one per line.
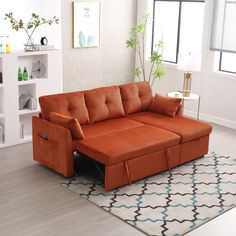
(137,41)
(29,27)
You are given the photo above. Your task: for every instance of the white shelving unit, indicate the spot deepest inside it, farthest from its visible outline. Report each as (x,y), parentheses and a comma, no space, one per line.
(28,111)
(18,123)
(2,115)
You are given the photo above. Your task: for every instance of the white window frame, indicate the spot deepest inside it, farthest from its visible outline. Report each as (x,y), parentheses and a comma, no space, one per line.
(179,25)
(210,61)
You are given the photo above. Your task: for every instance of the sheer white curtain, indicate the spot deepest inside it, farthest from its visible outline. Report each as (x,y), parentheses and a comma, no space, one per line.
(223,34)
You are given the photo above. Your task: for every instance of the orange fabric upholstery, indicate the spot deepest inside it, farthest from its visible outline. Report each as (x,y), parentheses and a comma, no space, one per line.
(165,105)
(68,122)
(52,146)
(127,172)
(145,165)
(180,110)
(104,104)
(136,97)
(109,126)
(194,149)
(68,104)
(186,128)
(122,127)
(123,145)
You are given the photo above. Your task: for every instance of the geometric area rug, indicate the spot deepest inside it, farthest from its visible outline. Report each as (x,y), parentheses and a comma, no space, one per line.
(169,204)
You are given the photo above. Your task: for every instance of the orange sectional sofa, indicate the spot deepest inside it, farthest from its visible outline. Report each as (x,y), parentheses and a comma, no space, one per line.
(123,127)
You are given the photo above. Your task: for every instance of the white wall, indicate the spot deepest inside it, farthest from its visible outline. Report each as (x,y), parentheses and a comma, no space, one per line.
(217,90)
(48,9)
(22,10)
(111,62)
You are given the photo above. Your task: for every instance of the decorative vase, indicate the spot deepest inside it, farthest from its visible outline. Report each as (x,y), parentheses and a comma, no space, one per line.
(30,45)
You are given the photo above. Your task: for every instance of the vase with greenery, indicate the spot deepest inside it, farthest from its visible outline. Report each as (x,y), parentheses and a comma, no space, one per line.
(29,27)
(137,41)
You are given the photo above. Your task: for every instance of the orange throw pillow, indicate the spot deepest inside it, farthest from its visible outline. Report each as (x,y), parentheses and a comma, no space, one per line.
(69,123)
(165,105)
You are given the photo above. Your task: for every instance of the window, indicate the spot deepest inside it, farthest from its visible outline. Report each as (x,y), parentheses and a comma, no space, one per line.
(179,23)
(223,35)
(227,62)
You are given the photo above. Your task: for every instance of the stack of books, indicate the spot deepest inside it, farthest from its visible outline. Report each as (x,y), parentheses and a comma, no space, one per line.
(27,102)
(44,47)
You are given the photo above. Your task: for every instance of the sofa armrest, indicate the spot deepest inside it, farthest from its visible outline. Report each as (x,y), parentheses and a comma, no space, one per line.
(52,146)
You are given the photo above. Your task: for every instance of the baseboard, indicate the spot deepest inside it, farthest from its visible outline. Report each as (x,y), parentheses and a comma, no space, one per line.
(212,119)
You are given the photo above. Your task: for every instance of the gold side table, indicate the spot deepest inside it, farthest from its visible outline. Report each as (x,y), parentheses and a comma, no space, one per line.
(192,96)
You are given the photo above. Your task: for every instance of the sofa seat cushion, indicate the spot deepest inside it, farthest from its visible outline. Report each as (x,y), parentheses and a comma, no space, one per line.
(109,126)
(186,128)
(116,147)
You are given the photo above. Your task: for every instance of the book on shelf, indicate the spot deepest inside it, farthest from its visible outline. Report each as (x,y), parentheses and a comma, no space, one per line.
(27,102)
(44,47)
(32,103)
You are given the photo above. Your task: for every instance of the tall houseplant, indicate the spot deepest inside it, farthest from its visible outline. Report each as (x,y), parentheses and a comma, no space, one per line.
(29,27)
(137,41)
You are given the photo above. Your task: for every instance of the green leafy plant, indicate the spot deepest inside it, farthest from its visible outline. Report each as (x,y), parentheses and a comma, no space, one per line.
(29,27)
(137,42)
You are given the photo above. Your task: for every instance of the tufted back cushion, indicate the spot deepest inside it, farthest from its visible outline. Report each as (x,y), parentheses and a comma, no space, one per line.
(136,97)
(68,104)
(99,104)
(104,103)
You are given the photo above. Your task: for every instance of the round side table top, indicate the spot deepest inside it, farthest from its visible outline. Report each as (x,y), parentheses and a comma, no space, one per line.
(192,96)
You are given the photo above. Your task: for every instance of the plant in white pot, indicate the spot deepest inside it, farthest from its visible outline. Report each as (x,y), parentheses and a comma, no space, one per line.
(29,27)
(137,41)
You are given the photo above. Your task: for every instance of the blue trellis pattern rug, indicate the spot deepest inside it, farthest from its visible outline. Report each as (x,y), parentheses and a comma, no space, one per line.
(169,204)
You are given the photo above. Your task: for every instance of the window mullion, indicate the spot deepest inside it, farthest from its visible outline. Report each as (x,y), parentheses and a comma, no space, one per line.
(220,61)
(153,25)
(178,34)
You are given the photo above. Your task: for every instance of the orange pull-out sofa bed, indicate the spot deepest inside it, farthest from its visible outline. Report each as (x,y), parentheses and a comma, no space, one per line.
(117,127)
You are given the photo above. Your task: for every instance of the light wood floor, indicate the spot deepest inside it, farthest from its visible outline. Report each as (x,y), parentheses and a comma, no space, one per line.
(32,202)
